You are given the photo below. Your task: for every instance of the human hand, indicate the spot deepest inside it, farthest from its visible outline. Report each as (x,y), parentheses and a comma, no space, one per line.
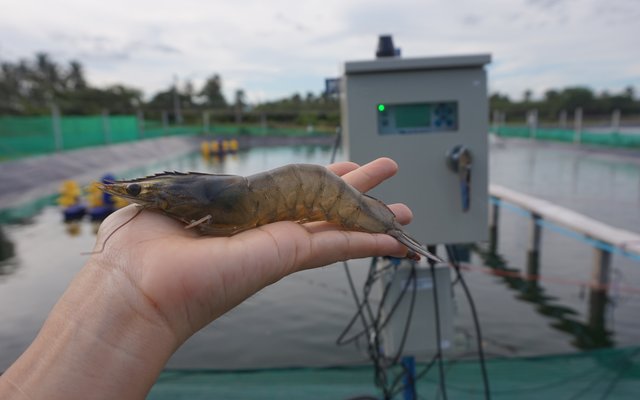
(156,283)
(191,280)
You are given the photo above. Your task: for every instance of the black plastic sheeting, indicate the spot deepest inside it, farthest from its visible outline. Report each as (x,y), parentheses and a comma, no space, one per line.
(26,179)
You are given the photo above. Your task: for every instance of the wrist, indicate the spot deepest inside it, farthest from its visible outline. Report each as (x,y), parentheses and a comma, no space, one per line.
(103,339)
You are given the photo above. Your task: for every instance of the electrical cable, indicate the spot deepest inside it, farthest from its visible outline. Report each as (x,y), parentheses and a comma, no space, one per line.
(405,332)
(373,347)
(397,302)
(373,344)
(359,306)
(381,371)
(373,329)
(394,360)
(378,320)
(451,252)
(365,304)
(419,375)
(613,382)
(436,307)
(506,273)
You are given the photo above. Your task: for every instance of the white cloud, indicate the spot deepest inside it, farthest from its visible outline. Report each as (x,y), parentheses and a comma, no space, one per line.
(271,49)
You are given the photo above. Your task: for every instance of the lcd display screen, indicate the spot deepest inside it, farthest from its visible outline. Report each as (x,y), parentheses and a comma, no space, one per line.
(417,117)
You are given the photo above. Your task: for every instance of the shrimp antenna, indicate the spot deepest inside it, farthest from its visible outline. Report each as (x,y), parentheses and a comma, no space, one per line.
(88,253)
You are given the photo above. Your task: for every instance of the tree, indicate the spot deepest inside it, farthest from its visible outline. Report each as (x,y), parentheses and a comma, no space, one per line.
(311,98)
(75,78)
(31,86)
(498,101)
(552,104)
(239,105)
(162,100)
(296,99)
(629,92)
(10,89)
(187,95)
(212,92)
(578,97)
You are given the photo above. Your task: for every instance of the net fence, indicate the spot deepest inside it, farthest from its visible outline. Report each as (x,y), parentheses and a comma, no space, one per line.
(610,139)
(24,136)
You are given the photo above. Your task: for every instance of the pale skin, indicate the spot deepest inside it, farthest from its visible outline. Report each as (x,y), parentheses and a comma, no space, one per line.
(156,284)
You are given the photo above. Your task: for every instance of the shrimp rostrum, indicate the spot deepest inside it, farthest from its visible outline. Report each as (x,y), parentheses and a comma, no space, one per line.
(223,205)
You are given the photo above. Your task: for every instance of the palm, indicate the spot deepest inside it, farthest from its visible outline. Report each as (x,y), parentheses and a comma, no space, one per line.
(191,280)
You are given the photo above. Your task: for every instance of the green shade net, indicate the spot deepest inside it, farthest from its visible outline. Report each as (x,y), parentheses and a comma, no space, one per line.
(611,139)
(25,136)
(21,136)
(597,374)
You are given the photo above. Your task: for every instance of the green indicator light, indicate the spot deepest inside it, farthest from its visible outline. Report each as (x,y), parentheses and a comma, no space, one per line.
(381,107)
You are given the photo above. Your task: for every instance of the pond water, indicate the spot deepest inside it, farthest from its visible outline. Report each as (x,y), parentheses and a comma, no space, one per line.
(296,321)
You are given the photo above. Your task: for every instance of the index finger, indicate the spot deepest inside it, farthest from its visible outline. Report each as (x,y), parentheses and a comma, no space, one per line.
(343,167)
(372,174)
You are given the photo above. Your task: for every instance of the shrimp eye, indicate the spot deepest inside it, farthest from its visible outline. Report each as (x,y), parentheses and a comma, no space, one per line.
(134,189)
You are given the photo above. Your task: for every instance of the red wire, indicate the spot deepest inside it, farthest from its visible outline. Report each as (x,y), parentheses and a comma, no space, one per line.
(553,279)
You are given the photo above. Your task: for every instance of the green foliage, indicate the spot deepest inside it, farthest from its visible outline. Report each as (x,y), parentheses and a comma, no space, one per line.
(116,99)
(314,110)
(31,87)
(298,103)
(567,99)
(212,93)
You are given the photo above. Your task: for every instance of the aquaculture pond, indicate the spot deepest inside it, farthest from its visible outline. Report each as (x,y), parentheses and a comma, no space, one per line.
(296,321)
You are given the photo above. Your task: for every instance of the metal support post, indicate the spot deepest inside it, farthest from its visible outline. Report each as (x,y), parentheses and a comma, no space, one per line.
(57,130)
(409,377)
(533,254)
(140,118)
(615,121)
(263,122)
(598,296)
(562,119)
(577,126)
(205,121)
(532,121)
(493,224)
(165,122)
(106,127)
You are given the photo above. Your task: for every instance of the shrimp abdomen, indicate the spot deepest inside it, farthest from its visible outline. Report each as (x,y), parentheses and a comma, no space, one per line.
(306,192)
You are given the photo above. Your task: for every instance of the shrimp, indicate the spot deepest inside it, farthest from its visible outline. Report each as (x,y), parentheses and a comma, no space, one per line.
(223,205)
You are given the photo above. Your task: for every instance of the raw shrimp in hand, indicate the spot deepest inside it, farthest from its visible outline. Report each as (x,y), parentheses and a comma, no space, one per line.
(156,283)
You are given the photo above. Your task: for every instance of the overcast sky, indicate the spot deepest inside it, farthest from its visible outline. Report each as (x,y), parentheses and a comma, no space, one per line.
(273,48)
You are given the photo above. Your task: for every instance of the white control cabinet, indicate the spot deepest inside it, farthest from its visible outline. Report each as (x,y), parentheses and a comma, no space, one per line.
(431,116)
